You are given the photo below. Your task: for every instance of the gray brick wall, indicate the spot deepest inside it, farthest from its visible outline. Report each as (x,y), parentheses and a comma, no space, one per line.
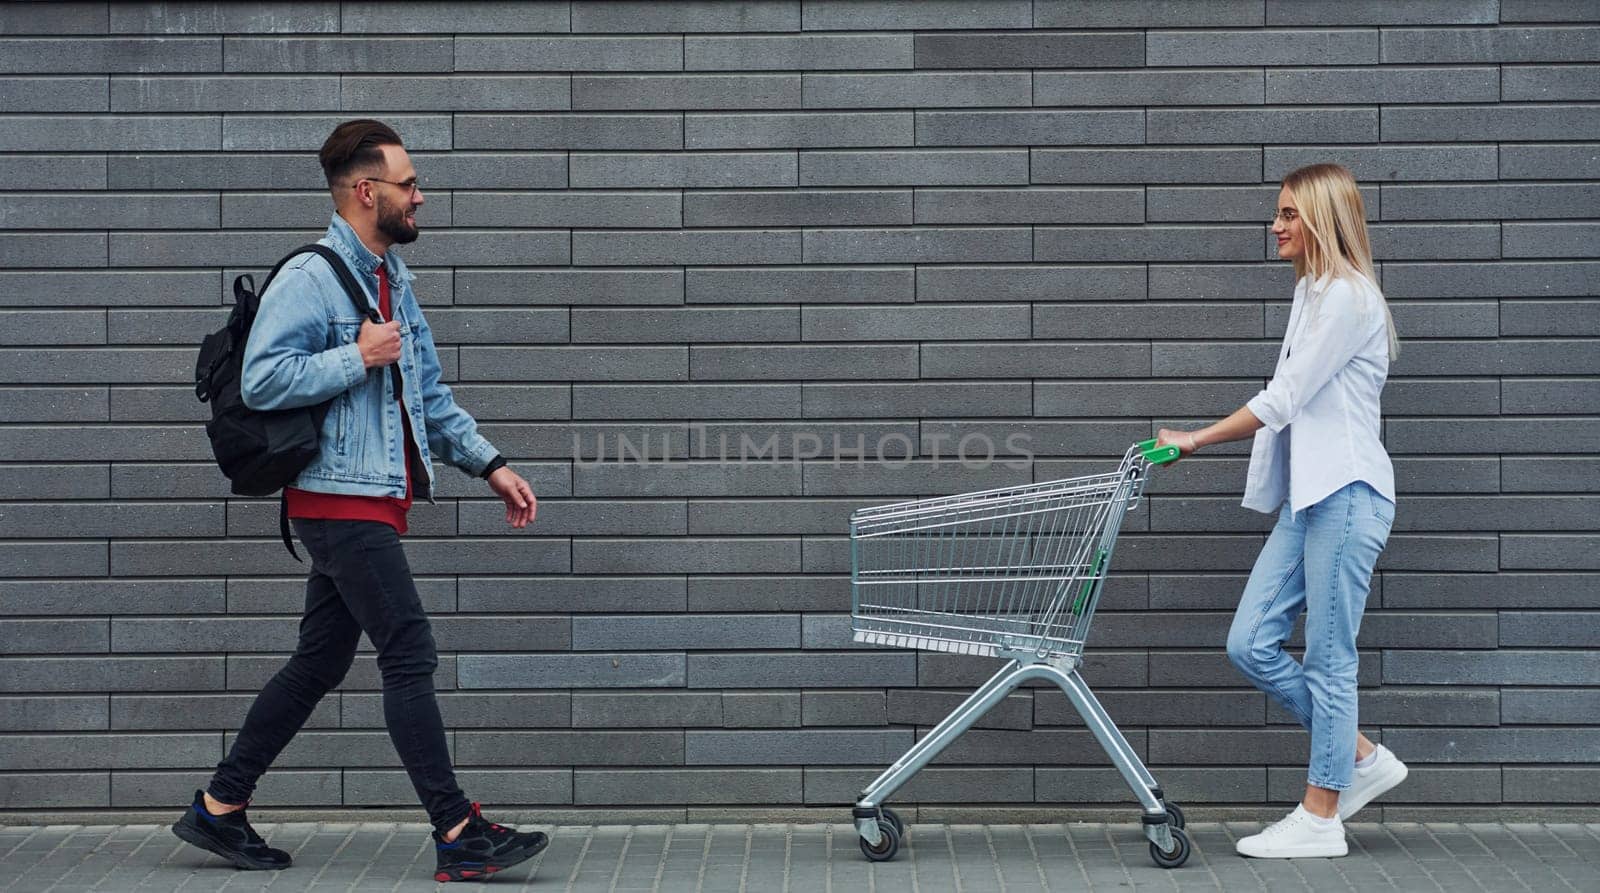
(690,222)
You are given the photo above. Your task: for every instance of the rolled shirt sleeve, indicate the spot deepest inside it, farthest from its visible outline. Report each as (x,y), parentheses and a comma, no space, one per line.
(1339,325)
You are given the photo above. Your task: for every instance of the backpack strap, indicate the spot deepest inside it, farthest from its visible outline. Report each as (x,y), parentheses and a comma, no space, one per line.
(283,526)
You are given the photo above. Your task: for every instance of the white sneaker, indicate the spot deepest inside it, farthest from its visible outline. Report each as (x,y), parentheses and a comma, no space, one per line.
(1372,782)
(1299,836)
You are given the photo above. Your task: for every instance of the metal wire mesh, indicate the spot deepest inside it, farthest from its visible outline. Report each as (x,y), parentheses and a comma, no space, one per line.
(1014,569)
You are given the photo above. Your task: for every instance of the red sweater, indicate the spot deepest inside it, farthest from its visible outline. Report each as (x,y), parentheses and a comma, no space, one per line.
(343,507)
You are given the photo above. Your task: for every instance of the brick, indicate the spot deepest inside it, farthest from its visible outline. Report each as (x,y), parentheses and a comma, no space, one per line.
(1548,239)
(75,404)
(400,17)
(571,594)
(1145,13)
(59,55)
(1029,128)
(1495,435)
(566,748)
(1486,668)
(40,365)
(1389,163)
(1322,125)
(213,171)
(53,18)
(834,746)
(1101,668)
(1383,85)
(111,674)
(989,321)
(89,636)
(251,672)
(866,15)
(924,245)
(569,132)
(684,170)
(555,210)
(1241,86)
(77,597)
(1106,49)
(1533,83)
(211,711)
(1549,162)
(803,362)
(111,133)
(797,130)
(1209,785)
(549,786)
(627,247)
(1545,397)
(1030,283)
(510,93)
(921,89)
(1140,165)
(215,94)
(923,707)
(1535,629)
(1417,552)
(190,751)
(1550,785)
(84,211)
(571,670)
(687,479)
(1553,551)
(469,710)
(1041,359)
(661,709)
(747,593)
(54,171)
(203,18)
(131,789)
(569,287)
(686,91)
(1270,47)
(1559,44)
(909,478)
(1496,280)
(1186,320)
(54,790)
(817,669)
(1424,784)
(518,54)
(933,785)
(1549,706)
(1372,12)
(761,710)
(37,481)
(1511,201)
(54,94)
(246,132)
(1560,475)
(1504,590)
(582,518)
(690,632)
(1060,746)
(1223,746)
(337,54)
(1230,203)
(1036,438)
(793,285)
(635,16)
(652,787)
(568,364)
(798,208)
(925,167)
(1472,475)
(1546,11)
(1147,243)
(1510,745)
(808,52)
(726,555)
(44,519)
(919,398)
(679,401)
(1477,123)
(843,708)
(1033,205)
(45,559)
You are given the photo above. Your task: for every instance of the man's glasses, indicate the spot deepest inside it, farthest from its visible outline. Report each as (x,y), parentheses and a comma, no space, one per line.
(1288,215)
(410,185)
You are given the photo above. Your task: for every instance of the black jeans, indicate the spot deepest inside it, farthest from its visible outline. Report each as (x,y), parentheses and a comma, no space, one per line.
(359,581)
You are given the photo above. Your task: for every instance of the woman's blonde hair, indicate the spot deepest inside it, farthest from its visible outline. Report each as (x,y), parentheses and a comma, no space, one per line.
(1334,220)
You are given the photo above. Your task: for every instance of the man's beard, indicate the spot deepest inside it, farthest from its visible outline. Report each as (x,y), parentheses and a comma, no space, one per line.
(392,223)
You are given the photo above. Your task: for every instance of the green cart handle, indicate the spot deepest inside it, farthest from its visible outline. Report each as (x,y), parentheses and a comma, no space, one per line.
(1158,455)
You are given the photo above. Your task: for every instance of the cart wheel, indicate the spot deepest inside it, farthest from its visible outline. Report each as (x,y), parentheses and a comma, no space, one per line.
(1174,814)
(890,844)
(894,819)
(1173,858)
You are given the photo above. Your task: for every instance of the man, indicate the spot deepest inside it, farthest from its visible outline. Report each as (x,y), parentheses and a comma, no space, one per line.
(390,414)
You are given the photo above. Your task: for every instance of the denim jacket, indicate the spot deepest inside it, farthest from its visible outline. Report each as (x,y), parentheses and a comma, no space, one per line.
(302,351)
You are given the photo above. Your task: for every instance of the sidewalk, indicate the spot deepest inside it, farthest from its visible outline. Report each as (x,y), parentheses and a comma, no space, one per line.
(776,858)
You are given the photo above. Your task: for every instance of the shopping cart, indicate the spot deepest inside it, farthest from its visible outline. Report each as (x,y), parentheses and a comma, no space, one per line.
(1013,573)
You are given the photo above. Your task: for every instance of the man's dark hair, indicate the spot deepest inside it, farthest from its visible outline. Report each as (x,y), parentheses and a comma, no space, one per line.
(355,145)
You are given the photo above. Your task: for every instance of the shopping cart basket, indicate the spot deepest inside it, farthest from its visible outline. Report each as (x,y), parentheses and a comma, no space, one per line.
(1013,573)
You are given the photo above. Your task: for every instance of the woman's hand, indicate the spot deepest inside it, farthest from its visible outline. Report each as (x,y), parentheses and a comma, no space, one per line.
(1183,440)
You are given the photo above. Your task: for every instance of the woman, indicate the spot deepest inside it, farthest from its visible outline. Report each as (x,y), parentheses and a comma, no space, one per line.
(1319,463)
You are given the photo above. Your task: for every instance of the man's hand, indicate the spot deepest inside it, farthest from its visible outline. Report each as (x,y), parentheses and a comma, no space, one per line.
(518,496)
(379,343)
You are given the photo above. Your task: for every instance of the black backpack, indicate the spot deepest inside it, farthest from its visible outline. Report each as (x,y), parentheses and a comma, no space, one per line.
(261,452)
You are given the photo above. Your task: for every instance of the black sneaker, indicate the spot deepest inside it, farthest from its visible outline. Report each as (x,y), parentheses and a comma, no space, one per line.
(483,848)
(229,836)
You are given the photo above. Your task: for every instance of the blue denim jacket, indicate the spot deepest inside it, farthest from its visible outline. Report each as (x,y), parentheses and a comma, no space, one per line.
(302,351)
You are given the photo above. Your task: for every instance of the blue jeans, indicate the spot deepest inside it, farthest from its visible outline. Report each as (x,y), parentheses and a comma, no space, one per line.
(1319,561)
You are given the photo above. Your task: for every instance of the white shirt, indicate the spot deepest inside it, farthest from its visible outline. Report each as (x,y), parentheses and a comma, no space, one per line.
(1320,410)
